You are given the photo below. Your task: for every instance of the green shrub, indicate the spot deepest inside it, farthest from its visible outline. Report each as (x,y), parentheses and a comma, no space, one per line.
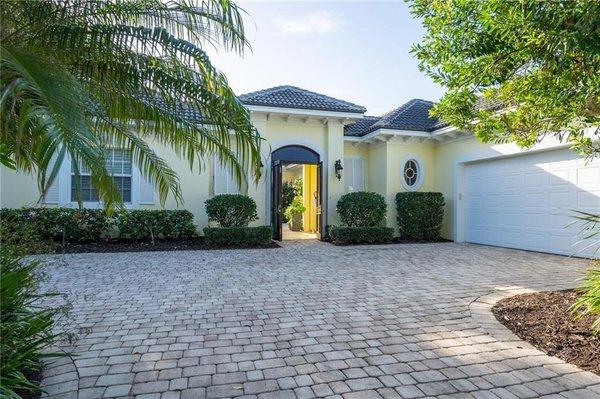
(231,210)
(588,302)
(25,326)
(156,224)
(74,225)
(362,209)
(238,236)
(361,235)
(41,230)
(420,215)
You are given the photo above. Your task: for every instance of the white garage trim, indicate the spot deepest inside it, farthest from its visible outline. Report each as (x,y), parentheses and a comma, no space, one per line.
(488,154)
(525,200)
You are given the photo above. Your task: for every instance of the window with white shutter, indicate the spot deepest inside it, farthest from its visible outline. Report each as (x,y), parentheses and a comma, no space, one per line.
(354,168)
(52,194)
(223,180)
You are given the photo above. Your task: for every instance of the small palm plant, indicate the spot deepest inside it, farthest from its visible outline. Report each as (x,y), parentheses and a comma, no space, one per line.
(79,77)
(588,302)
(25,325)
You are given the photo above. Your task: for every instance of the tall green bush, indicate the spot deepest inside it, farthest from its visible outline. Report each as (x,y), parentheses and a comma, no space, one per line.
(362,209)
(420,215)
(231,210)
(26,327)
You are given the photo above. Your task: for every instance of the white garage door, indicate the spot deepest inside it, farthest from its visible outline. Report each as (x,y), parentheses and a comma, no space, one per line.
(527,201)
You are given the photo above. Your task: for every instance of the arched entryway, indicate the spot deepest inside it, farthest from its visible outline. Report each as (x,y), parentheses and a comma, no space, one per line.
(280,159)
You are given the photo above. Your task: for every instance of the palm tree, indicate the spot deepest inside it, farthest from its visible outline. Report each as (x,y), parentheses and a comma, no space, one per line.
(81,76)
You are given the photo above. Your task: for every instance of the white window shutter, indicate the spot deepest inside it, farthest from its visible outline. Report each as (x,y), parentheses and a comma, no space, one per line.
(221,177)
(232,186)
(359,174)
(349,174)
(223,180)
(147,192)
(52,194)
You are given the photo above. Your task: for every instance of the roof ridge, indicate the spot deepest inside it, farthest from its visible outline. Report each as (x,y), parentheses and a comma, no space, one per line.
(299,97)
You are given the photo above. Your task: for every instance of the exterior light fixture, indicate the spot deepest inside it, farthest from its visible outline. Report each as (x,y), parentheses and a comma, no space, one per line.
(338,169)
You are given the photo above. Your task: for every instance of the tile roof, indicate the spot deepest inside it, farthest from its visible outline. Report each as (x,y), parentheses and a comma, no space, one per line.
(413,115)
(360,126)
(295,97)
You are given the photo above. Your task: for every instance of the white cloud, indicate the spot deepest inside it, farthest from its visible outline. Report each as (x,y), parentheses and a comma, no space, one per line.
(319,22)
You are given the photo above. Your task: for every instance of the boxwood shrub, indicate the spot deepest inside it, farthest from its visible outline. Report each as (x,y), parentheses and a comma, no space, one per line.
(361,235)
(156,224)
(362,209)
(420,215)
(231,210)
(238,236)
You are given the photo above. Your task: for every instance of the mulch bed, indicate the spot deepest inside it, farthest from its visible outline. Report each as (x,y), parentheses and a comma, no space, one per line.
(145,246)
(543,319)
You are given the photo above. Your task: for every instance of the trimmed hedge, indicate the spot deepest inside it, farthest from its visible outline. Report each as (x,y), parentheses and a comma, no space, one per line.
(420,215)
(151,224)
(362,209)
(231,210)
(238,236)
(361,235)
(37,229)
(74,225)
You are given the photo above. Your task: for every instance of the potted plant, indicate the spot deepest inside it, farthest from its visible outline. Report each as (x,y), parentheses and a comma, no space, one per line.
(294,212)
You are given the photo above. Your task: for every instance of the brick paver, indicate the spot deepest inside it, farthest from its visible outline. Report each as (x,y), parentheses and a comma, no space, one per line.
(307,320)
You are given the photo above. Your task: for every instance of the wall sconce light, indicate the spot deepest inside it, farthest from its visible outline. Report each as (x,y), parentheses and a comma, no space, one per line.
(338,169)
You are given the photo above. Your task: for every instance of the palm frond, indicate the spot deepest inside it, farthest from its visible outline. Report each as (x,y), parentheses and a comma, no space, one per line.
(133,71)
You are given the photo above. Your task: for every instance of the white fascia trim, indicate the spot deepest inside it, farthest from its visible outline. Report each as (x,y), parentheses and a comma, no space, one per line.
(304,112)
(394,132)
(444,130)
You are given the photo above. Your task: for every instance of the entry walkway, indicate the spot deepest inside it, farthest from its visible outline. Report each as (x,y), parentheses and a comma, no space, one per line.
(306,320)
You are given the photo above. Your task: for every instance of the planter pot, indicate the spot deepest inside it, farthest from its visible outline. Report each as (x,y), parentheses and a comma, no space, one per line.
(296,222)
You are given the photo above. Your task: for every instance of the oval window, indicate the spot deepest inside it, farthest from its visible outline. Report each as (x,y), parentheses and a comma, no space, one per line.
(412,175)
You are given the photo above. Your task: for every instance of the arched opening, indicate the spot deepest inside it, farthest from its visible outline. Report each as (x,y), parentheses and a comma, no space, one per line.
(296,193)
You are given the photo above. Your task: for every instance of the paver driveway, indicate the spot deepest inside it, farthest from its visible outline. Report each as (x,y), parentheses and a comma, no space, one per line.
(306,320)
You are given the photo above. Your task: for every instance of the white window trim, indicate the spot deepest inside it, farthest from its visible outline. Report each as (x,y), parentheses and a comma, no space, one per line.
(64,189)
(130,175)
(420,172)
(364,164)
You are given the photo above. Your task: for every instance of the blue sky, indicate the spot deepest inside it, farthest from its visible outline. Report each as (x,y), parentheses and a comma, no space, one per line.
(356,51)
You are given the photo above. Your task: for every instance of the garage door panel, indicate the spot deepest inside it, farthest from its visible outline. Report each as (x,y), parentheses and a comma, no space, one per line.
(588,199)
(528,201)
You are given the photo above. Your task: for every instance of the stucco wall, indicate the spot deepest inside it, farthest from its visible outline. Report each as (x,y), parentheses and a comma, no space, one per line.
(397,155)
(17,189)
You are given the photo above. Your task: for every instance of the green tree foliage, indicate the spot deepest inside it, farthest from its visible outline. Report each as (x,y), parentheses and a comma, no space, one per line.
(515,70)
(80,76)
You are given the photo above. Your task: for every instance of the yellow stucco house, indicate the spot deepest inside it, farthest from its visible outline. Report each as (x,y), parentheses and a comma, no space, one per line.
(495,194)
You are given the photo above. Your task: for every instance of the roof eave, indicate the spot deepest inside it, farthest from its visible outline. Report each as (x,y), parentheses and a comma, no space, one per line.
(350,116)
